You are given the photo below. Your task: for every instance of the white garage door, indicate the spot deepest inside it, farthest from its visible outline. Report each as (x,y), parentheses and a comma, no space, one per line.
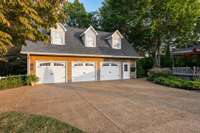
(83,71)
(51,72)
(110,71)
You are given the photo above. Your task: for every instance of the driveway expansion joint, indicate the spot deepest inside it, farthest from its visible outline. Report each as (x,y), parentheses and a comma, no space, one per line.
(94,107)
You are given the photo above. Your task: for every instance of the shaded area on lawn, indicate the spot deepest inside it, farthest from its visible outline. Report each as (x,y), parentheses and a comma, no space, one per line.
(13,122)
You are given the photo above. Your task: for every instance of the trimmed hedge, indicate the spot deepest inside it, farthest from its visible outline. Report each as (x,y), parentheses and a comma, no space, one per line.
(17,81)
(173,81)
(12,81)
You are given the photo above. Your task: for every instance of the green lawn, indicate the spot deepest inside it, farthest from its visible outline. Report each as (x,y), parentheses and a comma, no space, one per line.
(13,122)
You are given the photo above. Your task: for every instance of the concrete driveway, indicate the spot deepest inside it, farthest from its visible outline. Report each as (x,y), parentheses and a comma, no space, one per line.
(131,106)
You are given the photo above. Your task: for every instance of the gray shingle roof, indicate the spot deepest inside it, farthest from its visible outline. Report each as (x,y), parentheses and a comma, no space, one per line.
(186,50)
(74,45)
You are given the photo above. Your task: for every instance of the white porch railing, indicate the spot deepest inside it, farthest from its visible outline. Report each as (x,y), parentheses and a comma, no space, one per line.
(186,71)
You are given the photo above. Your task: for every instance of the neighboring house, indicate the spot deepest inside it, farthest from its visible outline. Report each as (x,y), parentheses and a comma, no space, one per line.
(76,55)
(186,62)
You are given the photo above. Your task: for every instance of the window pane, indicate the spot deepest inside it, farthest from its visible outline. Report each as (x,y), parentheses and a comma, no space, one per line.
(79,64)
(106,64)
(45,64)
(125,68)
(89,64)
(133,69)
(90,42)
(117,43)
(114,64)
(58,64)
(57,38)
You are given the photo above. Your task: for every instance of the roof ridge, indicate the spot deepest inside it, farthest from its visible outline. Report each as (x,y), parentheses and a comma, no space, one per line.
(100,31)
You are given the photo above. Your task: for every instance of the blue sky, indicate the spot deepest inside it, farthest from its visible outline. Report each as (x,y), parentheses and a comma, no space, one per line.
(91,5)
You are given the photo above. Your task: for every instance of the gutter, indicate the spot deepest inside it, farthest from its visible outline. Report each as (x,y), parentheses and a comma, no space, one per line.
(78,55)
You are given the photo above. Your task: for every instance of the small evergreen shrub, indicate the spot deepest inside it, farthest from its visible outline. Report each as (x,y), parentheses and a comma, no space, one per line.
(31,79)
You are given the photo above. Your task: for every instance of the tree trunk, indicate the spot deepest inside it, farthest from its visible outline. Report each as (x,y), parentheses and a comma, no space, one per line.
(157,58)
(157,51)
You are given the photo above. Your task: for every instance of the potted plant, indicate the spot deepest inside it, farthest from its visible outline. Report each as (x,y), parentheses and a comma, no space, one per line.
(32,80)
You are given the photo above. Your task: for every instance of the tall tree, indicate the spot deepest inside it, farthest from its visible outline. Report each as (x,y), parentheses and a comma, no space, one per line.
(77,14)
(151,23)
(27,19)
(172,22)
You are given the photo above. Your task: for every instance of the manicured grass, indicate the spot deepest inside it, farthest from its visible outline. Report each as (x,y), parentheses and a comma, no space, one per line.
(13,122)
(173,81)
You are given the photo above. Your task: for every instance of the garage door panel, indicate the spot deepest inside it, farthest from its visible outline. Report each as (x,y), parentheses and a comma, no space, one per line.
(110,71)
(51,72)
(83,71)
(59,72)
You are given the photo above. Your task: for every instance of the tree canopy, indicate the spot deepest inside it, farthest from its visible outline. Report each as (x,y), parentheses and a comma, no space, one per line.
(150,24)
(77,16)
(29,19)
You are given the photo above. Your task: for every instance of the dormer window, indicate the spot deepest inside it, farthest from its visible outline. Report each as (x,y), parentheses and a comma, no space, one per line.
(58,35)
(90,42)
(57,38)
(89,37)
(115,40)
(117,43)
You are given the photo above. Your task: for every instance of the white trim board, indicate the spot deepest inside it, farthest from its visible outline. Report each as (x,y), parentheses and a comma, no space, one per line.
(82,55)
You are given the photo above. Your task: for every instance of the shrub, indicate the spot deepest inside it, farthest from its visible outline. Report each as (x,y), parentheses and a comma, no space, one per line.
(12,82)
(159,71)
(17,81)
(166,60)
(173,81)
(143,65)
(31,79)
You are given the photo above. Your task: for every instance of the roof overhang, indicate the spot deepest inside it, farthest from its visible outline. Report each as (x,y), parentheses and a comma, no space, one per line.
(82,55)
(182,52)
(62,26)
(116,32)
(90,28)
(191,51)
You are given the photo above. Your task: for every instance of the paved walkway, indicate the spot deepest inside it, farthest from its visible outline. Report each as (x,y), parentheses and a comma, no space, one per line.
(131,106)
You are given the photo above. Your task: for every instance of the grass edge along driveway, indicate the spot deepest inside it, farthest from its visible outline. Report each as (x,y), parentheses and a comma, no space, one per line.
(14,122)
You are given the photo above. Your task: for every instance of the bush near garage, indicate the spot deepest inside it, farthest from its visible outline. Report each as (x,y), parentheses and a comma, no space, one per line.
(143,65)
(31,79)
(14,81)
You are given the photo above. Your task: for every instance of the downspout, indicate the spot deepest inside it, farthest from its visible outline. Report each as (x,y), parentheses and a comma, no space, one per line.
(28,64)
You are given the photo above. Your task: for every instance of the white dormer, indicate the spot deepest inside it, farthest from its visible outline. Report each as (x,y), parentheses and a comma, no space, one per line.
(89,37)
(58,35)
(115,40)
